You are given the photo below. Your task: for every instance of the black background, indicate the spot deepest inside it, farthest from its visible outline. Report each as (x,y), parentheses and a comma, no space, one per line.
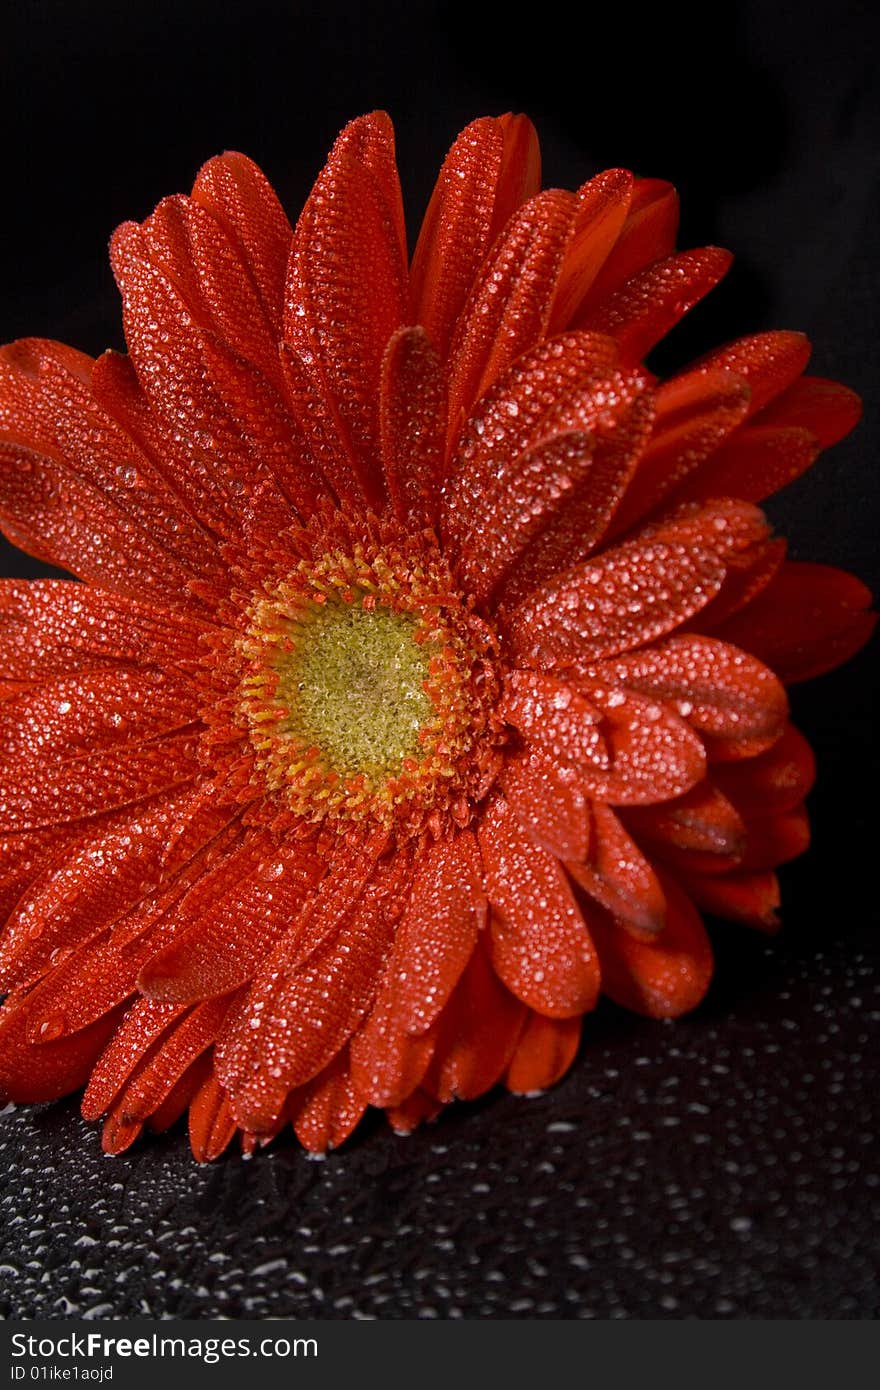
(720,1167)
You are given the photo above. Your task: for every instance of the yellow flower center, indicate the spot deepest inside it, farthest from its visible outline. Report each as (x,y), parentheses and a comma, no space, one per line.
(369,691)
(355,686)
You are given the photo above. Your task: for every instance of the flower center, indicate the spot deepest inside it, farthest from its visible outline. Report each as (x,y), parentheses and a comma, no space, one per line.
(355,685)
(369,690)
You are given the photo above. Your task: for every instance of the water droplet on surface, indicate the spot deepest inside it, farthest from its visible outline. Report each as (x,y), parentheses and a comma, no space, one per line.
(52,1027)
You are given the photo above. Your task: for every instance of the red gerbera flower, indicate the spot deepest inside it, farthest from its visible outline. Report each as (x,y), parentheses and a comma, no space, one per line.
(425,678)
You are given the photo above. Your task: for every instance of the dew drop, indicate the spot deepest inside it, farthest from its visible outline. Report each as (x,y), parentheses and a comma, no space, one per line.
(52,1027)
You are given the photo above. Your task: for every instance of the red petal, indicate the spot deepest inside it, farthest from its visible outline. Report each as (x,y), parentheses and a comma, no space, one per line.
(91,712)
(540,946)
(774,840)
(490,165)
(189,1038)
(55,517)
(211,1126)
(512,418)
(541,482)
(212,417)
(702,821)
(63,444)
(638,591)
(735,531)
(734,701)
(239,196)
(196,476)
(621,599)
(477,1034)
(549,803)
(437,932)
(741,585)
(807,620)
(83,988)
(205,839)
(102,972)
(306,1014)
(181,281)
(664,977)
(412,1112)
(253,428)
(545,1051)
(835,652)
(749,898)
(117,1136)
(327,1110)
(140,1032)
(767,362)
(370,140)
(314,416)
(387,1062)
(644,309)
(334,899)
(508,307)
(557,718)
(647,235)
(607,605)
(54,627)
(24,857)
(694,413)
(619,876)
(50,1070)
(228,924)
(602,205)
(756,462)
(345,298)
(572,527)
(654,755)
(823,408)
(181,1095)
(775,781)
(86,889)
(86,785)
(412,426)
(191,247)
(520,176)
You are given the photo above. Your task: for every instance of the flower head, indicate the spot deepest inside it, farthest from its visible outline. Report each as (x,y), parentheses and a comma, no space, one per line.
(425,678)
